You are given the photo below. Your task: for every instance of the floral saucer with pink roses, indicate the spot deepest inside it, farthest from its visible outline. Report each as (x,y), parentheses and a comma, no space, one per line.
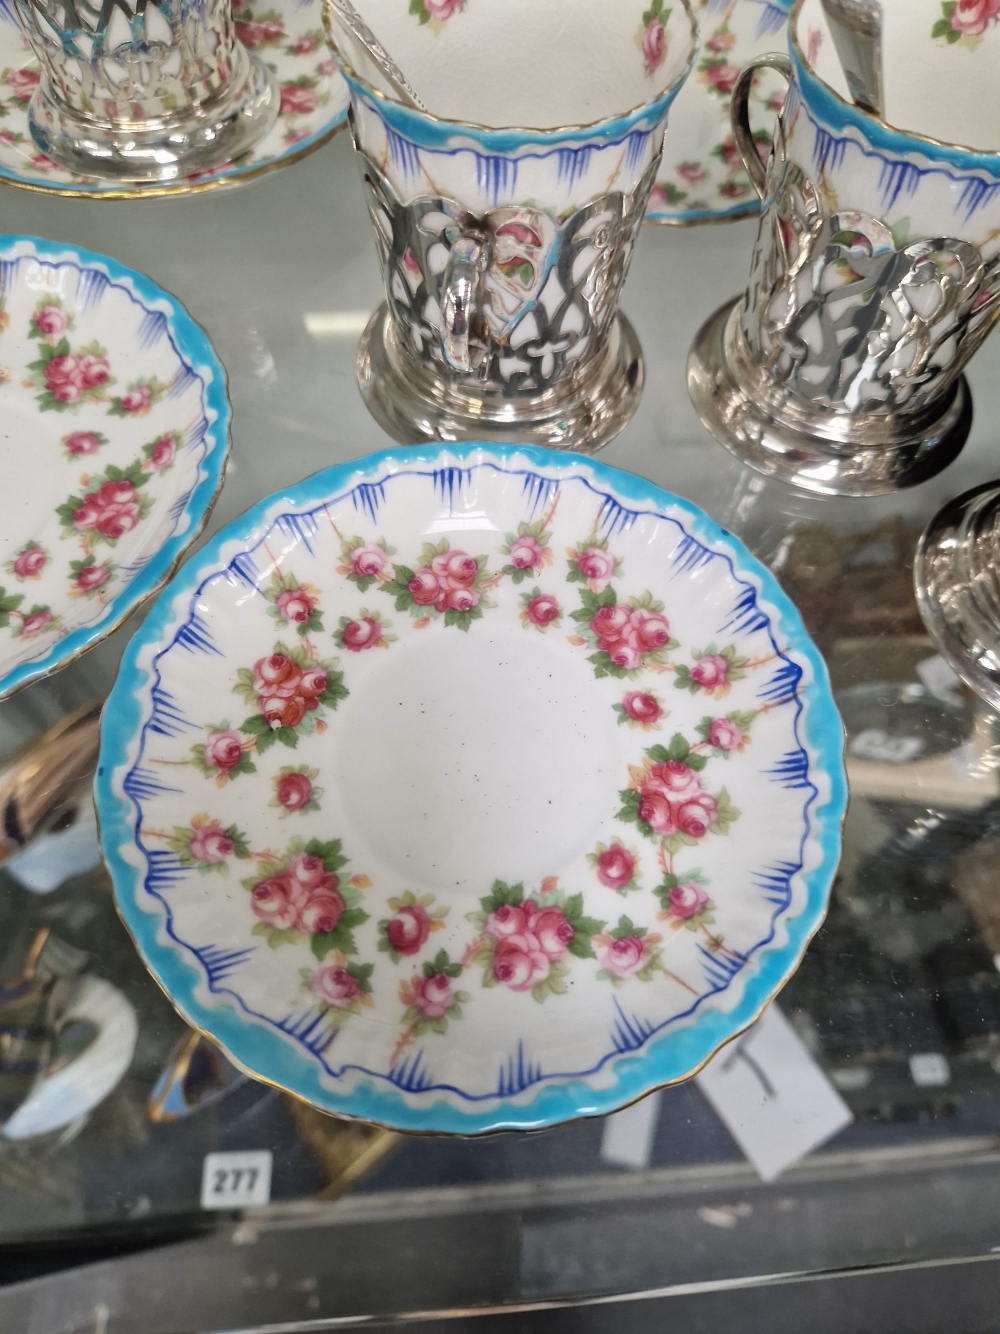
(116,432)
(472,787)
(286,35)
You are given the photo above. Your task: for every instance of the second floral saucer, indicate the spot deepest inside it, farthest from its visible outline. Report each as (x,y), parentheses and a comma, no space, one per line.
(287,36)
(114,435)
(472,787)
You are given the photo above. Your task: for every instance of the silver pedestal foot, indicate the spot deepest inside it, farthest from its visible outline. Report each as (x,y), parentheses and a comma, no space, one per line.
(828,453)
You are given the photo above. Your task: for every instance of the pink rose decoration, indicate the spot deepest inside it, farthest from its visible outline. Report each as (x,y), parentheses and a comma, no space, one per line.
(293,790)
(624,655)
(553,931)
(280,712)
(609,622)
(675,780)
(655,810)
(443,9)
(255,32)
(462,599)
(369,562)
(276,901)
(710,671)
(694,817)
(51,320)
(642,707)
(525,553)
(223,750)
(276,672)
(654,45)
(542,610)
(688,900)
(306,45)
(313,683)
(87,515)
(91,577)
(82,442)
(973,16)
(22,83)
(309,871)
(624,958)
(455,569)
(520,961)
(719,42)
(94,371)
(164,453)
(34,625)
(433,996)
(361,634)
(730,153)
(321,912)
(424,588)
(297,100)
(595,563)
(724,735)
(652,630)
(64,378)
(295,605)
(137,399)
(211,843)
(722,76)
(408,930)
(30,563)
(692,172)
(334,986)
(615,866)
(506,921)
(113,509)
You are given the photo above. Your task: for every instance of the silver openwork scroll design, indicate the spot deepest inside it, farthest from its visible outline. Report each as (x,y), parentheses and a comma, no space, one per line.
(512,301)
(130,60)
(837,316)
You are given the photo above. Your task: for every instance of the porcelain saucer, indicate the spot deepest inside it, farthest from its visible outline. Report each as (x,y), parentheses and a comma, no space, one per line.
(114,434)
(287,36)
(472,787)
(701,176)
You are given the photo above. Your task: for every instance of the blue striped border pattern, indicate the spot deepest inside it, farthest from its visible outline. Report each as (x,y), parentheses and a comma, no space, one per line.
(640,1058)
(191,344)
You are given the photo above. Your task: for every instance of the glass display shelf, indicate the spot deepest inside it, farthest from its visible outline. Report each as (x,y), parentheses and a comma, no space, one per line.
(898,998)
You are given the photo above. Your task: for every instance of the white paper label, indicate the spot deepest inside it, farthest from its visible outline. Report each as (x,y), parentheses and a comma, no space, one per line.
(774,1099)
(231,1180)
(628,1135)
(930,1070)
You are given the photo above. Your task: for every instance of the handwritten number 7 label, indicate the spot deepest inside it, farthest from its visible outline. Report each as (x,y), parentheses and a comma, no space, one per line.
(232,1180)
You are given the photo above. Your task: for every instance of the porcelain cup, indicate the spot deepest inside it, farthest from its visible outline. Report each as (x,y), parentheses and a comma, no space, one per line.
(504,249)
(153,93)
(874,279)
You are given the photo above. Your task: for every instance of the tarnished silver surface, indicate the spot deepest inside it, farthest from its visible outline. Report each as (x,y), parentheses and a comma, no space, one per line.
(820,455)
(144,94)
(856,29)
(342,12)
(583,412)
(502,327)
(840,369)
(836,319)
(957,579)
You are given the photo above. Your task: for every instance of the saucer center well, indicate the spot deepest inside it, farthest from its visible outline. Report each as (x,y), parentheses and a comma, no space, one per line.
(465,758)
